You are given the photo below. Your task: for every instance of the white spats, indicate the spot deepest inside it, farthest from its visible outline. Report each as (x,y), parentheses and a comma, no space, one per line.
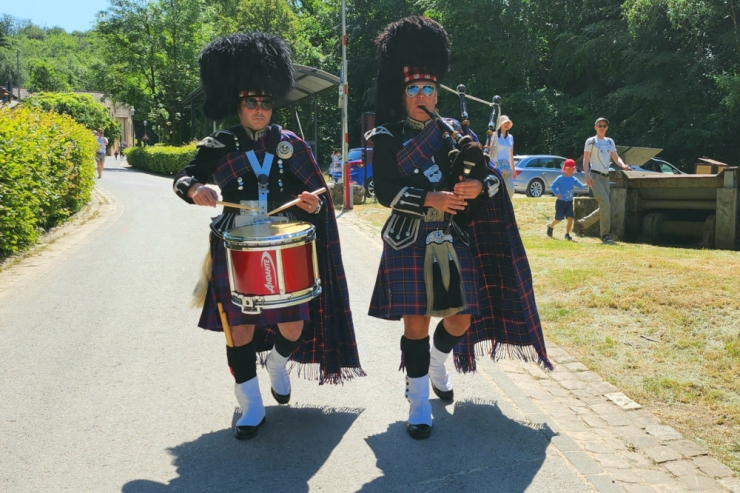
(438,371)
(279,378)
(417,393)
(249,398)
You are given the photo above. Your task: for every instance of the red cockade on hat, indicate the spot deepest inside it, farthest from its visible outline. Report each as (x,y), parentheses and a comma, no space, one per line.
(413,73)
(249,94)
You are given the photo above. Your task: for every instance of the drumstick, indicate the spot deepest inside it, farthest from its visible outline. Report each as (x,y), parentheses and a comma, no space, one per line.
(294,202)
(238,206)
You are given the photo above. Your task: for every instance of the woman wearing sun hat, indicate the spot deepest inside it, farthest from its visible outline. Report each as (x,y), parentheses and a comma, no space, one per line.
(505,155)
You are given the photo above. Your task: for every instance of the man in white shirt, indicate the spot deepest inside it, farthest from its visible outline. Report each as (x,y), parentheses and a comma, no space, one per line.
(596,154)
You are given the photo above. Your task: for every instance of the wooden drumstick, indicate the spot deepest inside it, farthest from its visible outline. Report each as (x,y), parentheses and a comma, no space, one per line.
(238,206)
(294,202)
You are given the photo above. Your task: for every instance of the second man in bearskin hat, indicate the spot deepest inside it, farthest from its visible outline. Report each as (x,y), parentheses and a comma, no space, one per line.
(471,271)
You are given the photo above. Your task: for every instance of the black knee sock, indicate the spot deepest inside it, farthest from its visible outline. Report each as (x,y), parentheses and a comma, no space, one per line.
(415,356)
(283,346)
(443,340)
(242,361)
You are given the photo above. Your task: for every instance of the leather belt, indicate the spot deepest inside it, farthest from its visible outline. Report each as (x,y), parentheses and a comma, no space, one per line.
(600,173)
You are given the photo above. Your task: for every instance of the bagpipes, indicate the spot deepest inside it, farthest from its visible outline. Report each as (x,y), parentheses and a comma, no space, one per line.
(445,294)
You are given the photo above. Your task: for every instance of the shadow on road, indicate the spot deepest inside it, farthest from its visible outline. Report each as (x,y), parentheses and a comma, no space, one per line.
(291,446)
(477,448)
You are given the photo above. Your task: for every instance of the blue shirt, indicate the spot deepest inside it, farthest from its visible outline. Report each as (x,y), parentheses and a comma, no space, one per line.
(563,186)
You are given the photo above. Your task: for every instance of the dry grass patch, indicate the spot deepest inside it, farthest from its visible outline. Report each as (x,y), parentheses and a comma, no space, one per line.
(662,324)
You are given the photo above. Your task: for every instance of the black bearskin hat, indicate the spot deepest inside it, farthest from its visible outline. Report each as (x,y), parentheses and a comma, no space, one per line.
(255,61)
(413,45)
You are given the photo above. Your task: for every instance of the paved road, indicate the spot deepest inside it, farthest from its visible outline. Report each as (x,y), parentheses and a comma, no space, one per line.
(107,385)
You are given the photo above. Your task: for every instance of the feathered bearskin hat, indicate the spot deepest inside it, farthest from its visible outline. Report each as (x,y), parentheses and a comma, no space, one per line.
(239,65)
(412,48)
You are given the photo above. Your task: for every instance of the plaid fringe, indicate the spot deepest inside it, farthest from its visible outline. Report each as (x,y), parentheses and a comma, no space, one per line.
(466,363)
(313,371)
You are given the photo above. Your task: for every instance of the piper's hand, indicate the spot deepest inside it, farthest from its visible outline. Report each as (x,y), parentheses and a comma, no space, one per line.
(589,181)
(468,189)
(309,202)
(203,195)
(445,201)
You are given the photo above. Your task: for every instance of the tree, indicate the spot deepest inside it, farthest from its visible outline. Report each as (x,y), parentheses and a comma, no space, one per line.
(44,77)
(150,52)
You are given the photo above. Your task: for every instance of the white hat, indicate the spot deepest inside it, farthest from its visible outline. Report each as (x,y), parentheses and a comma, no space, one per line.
(504,119)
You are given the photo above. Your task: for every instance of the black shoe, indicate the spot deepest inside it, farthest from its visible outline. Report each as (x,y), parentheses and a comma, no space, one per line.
(567,237)
(447,396)
(247,432)
(549,231)
(418,432)
(581,230)
(607,240)
(281,399)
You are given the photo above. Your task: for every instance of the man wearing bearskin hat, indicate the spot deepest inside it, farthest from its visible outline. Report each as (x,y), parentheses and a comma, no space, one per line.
(243,75)
(471,271)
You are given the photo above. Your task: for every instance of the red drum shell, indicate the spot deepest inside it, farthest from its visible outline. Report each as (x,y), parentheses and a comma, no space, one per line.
(272,264)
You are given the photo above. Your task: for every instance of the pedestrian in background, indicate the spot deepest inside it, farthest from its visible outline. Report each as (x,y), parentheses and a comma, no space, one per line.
(562,188)
(505,153)
(102,151)
(597,151)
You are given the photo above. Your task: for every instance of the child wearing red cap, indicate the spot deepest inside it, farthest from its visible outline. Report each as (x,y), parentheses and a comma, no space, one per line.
(562,188)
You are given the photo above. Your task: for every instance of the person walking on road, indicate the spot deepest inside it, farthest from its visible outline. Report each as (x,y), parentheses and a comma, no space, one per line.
(263,166)
(471,272)
(596,154)
(102,151)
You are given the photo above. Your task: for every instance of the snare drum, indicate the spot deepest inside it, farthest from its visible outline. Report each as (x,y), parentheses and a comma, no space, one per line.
(272,265)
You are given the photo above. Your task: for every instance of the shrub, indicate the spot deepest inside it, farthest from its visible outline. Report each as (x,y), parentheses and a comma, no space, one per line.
(81,107)
(165,160)
(46,173)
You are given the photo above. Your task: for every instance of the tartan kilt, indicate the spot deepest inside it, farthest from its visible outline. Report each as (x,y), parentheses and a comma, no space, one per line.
(400,288)
(219,290)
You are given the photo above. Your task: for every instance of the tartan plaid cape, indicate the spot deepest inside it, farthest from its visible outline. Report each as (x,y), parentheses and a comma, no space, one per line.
(329,337)
(508,324)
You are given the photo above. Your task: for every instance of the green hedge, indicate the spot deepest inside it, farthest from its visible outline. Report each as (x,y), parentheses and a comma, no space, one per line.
(82,107)
(166,160)
(47,166)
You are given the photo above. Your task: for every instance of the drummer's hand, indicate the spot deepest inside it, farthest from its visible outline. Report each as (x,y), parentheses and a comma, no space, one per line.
(445,201)
(203,195)
(468,189)
(309,202)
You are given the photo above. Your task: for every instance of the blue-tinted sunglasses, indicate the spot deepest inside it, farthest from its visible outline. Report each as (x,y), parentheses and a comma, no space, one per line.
(412,91)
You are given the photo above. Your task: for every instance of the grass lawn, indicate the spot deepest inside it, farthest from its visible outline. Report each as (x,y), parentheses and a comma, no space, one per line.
(662,324)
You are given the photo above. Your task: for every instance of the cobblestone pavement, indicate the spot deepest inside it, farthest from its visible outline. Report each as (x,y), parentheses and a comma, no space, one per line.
(609,438)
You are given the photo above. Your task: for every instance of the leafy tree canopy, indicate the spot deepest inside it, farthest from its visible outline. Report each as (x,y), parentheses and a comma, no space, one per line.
(81,107)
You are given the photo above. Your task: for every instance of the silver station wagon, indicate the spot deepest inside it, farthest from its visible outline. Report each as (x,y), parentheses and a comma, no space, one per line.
(535,174)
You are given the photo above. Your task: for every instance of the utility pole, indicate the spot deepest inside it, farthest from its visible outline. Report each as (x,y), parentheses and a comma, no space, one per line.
(346,174)
(18,71)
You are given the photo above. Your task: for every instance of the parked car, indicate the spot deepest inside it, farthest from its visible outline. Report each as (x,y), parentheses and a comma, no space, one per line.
(358,172)
(659,166)
(533,175)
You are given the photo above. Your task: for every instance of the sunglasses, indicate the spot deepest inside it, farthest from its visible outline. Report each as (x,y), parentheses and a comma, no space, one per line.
(602,126)
(251,103)
(412,91)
